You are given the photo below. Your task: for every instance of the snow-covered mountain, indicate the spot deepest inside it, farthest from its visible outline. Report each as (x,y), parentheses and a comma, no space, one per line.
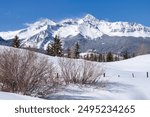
(40,33)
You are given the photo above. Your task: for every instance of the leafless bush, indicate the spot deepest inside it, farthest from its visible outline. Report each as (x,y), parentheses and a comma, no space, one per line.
(22,71)
(80,72)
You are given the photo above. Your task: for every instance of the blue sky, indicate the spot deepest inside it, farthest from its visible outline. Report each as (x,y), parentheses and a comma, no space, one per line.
(15,13)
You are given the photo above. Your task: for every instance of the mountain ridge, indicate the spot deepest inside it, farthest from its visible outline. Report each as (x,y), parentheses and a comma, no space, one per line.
(85,30)
(80,25)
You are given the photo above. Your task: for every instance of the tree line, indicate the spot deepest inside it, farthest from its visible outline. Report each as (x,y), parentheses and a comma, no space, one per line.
(55,49)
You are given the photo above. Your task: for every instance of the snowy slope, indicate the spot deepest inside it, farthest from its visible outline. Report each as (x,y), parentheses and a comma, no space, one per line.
(31,30)
(121,83)
(12,96)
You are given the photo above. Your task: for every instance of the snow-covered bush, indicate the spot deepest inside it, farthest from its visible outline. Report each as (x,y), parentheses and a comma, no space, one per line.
(23,71)
(80,72)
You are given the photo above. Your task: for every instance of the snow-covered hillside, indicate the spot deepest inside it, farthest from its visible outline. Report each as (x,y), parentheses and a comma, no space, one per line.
(126,79)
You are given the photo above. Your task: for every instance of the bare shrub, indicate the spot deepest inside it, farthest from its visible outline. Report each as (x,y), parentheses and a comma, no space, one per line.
(91,73)
(80,72)
(22,71)
(69,70)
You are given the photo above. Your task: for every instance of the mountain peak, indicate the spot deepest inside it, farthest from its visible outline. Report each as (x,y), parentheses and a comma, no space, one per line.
(47,21)
(88,17)
(41,22)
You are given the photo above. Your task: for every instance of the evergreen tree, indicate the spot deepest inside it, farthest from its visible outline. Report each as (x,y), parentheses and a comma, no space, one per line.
(100,58)
(50,50)
(95,57)
(126,55)
(55,48)
(68,53)
(16,42)
(77,53)
(109,57)
(73,52)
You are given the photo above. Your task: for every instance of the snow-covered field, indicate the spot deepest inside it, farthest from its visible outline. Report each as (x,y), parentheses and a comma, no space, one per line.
(12,96)
(120,83)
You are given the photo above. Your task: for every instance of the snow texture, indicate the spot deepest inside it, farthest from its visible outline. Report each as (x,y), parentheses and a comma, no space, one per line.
(13,96)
